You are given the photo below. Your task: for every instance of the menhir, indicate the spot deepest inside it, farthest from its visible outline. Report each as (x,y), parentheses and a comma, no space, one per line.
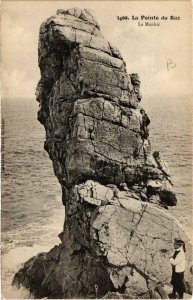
(113,188)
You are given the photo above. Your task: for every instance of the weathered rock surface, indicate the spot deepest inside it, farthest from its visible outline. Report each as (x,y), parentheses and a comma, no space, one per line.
(119,244)
(117,235)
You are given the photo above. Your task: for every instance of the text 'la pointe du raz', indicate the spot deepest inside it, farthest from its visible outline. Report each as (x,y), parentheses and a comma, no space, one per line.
(144,20)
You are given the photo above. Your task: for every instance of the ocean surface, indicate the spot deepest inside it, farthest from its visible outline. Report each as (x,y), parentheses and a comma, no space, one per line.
(32,213)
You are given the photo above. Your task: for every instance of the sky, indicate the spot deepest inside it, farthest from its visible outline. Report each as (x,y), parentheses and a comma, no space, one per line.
(161,55)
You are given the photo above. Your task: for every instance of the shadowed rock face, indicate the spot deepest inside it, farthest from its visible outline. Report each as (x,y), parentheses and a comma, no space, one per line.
(116,235)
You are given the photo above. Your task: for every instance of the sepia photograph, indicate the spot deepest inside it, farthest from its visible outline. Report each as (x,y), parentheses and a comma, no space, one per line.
(96,149)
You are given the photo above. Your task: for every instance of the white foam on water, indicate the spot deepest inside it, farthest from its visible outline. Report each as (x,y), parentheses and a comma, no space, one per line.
(14,293)
(24,242)
(11,262)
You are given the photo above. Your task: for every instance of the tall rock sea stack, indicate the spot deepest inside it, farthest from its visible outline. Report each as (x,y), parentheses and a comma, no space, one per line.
(117,233)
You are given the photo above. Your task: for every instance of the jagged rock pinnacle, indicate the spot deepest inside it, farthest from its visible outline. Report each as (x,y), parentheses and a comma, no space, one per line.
(113,188)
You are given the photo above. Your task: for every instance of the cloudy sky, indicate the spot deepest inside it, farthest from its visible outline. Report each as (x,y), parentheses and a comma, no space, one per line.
(146,50)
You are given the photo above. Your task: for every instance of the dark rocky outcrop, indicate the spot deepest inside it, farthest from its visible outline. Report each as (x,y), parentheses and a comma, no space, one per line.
(117,233)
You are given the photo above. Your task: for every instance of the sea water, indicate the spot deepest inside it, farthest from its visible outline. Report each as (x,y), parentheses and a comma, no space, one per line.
(32,210)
